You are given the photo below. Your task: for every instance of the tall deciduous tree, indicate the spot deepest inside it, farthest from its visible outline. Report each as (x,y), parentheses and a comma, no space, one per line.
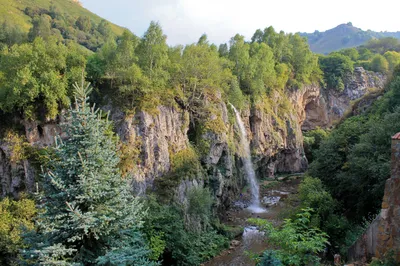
(153,55)
(89,215)
(239,54)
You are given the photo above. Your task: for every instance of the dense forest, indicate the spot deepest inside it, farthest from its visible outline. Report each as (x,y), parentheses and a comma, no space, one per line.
(67,67)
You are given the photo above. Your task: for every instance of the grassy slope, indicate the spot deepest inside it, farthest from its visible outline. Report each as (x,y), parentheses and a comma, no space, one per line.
(13,10)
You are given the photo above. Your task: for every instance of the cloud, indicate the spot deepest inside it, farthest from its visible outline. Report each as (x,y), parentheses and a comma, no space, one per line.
(184,21)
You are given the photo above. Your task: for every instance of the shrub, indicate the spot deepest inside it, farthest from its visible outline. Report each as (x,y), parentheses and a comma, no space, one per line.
(297,241)
(15,216)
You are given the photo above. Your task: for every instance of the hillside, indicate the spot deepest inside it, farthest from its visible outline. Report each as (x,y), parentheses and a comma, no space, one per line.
(14,11)
(342,36)
(66,19)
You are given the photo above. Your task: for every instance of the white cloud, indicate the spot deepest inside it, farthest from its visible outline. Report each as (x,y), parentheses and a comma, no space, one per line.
(185,20)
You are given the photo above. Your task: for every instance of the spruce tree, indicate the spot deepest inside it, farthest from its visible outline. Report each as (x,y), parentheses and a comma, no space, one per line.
(89,215)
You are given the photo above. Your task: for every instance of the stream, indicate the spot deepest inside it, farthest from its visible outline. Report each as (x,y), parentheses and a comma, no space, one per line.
(252,240)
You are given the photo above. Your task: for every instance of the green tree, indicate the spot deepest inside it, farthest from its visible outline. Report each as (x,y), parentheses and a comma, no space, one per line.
(393,59)
(41,28)
(11,34)
(379,64)
(352,53)
(335,68)
(201,68)
(33,78)
(257,36)
(298,242)
(104,28)
(312,140)
(14,217)
(262,67)
(355,158)
(239,55)
(153,55)
(83,23)
(223,50)
(302,60)
(89,214)
(203,40)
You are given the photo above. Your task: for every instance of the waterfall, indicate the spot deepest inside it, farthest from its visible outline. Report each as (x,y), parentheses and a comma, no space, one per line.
(248,166)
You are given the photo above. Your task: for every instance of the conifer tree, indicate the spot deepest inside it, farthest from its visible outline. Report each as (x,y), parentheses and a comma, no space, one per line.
(89,215)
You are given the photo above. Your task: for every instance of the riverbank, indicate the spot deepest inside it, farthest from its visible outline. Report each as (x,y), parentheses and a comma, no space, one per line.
(278,198)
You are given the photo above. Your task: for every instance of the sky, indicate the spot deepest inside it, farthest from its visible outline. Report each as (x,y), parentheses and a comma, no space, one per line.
(184,21)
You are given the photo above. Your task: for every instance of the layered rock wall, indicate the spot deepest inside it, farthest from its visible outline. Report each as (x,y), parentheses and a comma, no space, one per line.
(331,105)
(274,129)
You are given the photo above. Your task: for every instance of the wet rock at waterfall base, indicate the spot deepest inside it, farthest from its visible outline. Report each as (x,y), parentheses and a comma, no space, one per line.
(271,200)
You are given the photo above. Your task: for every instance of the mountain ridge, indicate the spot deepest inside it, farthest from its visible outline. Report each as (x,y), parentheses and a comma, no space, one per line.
(343,36)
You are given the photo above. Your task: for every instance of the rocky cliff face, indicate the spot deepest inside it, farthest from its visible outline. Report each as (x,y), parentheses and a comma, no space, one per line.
(332,105)
(383,234)
(150,141)
(15,176)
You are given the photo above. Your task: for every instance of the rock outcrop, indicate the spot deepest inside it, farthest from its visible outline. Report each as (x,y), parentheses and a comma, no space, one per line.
(383,234)
(332,105)
(15,176)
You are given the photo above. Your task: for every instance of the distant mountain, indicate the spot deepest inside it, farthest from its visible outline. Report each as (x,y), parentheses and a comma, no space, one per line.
(343,36)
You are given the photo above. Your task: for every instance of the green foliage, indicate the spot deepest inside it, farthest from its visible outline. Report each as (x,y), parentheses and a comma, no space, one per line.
(383,45)
(303,61)
(269,258)
(354,161)
(313,195)
(15,216)
(11,34)
(335,67)
(184,246)
(66,20)
(389,259)
(379,64)
(235,95)
(297,241)
(41,28)
(185,162)
(312,141)
(352,53)
(185,165)
(393,59)
(199,209)
(153,55)
(89,214)
(35,77)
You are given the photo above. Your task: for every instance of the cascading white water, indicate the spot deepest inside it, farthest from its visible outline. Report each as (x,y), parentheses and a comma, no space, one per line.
(248,165)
